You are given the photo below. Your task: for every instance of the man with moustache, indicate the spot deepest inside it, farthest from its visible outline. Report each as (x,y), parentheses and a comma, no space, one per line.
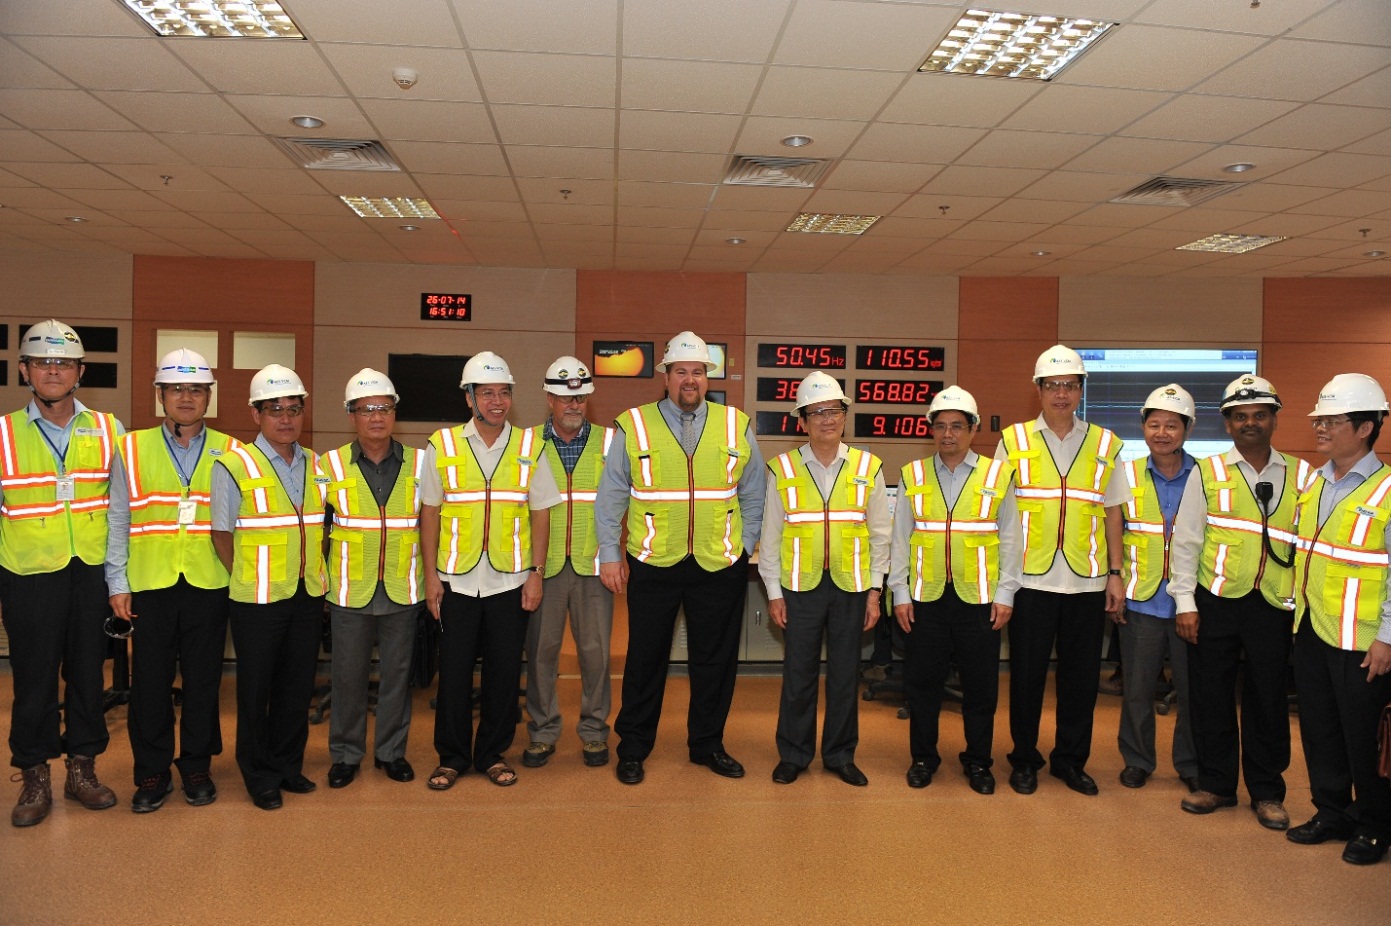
(690,482)
(822,558)
(1232,582)
(164,576)
(268,530)
(1147,631)
(948,556)
(376,579)
(1064,482)
(484,533)
(1342,640)
(575,452)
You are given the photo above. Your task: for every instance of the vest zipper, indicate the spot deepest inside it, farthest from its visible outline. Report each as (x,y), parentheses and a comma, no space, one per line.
(1260,567)
(690,504)
(381,554)
(1309,557)
(569,510)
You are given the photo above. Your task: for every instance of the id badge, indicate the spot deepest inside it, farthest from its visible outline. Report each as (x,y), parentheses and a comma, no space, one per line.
(187,509)
(66,491)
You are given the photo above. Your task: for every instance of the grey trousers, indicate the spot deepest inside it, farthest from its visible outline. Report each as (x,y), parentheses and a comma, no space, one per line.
(354,632)
(1145,639)
(838,616)
(590,607)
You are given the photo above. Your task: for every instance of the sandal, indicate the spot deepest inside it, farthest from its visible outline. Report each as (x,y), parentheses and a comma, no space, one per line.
(447,775)
(502,775)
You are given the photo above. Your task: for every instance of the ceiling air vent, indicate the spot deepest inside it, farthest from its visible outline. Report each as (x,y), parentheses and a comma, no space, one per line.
(752,170)
(1175,191)
(337,153)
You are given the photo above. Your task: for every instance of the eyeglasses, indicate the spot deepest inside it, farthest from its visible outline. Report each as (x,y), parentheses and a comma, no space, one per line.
(827,414)
(188,389)
(505,393)
(572,399)
(367,411)
(283,411)
(1067,385)
(53,363)
(956,427)
(1328,422)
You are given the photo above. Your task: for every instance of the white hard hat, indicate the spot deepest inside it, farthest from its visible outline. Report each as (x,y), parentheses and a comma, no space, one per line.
(818,387)
(486,367)
(365,382)
(686,346)
(1059,361)
(568,376)
(51,338)
(1171,398)
(1250,389)
(1350,392)
(183,366)
(954,399)
(275,382)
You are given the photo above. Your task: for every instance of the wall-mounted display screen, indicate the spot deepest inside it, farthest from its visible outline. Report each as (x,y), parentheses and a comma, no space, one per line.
(781,388)
(802,356)
(778,424)
(97,375)
(892,425)
(897,391)
(429,387)
(896,357)
(623,358)
(452,307)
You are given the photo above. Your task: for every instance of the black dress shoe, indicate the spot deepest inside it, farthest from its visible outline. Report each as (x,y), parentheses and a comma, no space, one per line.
(919,775)
(341,774)
(1076,779)
(721,763)
(1316,832)
(630,771)
(980,779)
(1366,850)
(298,785)
(786,772)
(1132,776)
(850,774)
(1023,780)
(267,800)
(397,769)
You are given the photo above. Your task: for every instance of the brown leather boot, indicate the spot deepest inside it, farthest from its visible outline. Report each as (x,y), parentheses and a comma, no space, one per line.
(82,784)
(35,796)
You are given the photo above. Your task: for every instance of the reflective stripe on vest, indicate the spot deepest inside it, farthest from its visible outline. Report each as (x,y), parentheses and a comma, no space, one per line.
(1145,557)
(960,544)
(371,543)
(573,538)
(271,534)
(1343,564)
(38,533)
(161,548)
(821,535)
(481,511)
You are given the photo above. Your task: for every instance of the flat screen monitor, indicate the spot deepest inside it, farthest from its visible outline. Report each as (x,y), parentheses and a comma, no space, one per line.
(429,387)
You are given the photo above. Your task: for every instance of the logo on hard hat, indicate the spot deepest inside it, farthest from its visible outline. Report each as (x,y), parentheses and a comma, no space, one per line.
(1247,380)
(573,382)
(492,369)
(50,339)
(183,369)
(1171,392)
(1327,395)
(277,382)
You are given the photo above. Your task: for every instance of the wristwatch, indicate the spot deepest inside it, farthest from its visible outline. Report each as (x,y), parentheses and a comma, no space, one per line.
(1113,572)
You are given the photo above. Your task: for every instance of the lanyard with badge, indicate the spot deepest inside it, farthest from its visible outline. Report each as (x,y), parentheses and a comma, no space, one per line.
(66,488)
(188,508)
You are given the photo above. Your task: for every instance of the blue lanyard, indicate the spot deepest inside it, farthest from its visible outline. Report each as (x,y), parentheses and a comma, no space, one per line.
(185,478)
(59,454)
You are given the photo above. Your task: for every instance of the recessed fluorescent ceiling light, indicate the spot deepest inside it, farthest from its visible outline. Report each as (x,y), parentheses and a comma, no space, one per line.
(254,19)
(1024,45)
(1230,244)
(390,207)
(826,224)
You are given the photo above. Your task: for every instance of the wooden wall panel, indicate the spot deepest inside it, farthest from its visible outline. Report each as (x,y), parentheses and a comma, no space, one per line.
(1006,322)
(1128,311)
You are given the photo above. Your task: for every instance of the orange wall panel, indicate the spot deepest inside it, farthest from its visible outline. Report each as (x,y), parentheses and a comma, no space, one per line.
(1005,323)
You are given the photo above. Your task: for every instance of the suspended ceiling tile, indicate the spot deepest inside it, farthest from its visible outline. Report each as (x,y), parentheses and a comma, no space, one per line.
(117,202)
(879,176)
(680,195)
(1337,170)
(264,180)
(60,109)
(1274,71)
(554,125)
(914,143)
(981,181)
(853,202)
(255,152)
(70,176)
(1033,210)
(667,131)
(660,29)
(1086,110)
(114,64)
(115,147)
(576,26)
(688,86)
(822,93)
(1001,147)
(23,145)
(441,73)
(582,192)
(400,22)
(671,166)
(542,161)
(1128,155)
(430,120)
(763,135)
(465,187)
(1081,186)
(1320,127)
(546,80)
(259,67)
(882,36)
(271,115)
(194,113)
(1157,58)
(20,70)
(447,157)
(1208,118)
(58,19)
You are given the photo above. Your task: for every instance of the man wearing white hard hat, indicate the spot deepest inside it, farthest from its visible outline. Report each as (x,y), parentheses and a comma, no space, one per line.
(1231,555)
(55,472)
(1147,628)
(484,533)
(268,529)
(164,576)
(823,496)
(1342,639)
(948,555)
(1064,482)
(574,450)
(690,485)
(376,580)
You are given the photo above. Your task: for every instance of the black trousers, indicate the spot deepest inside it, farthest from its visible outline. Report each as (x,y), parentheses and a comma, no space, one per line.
(491,629)
(1074,625)
(179,629)
(277,649)
(714,606)
(837,616)
(54,622)
(941,629)
(1227,627)
(1338,715)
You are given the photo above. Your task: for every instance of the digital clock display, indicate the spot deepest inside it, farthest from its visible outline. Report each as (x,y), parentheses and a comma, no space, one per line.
(802,356)
(781,388)
(893,357)
(457,307)
(778,424)
(892,425)
(897,391)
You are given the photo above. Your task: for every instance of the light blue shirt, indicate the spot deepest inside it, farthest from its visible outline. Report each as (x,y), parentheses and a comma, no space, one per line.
(1168,492)
(226,496)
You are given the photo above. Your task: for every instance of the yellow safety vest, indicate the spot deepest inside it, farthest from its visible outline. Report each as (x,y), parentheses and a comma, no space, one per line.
(38,533)
(1343,564)
(825,534)
(481,512)
(960,544)
(573,538)
(163,545)
(363,532)
(1058,513)
(1145,557)
(679,505)
(271,533)
(1233,560)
